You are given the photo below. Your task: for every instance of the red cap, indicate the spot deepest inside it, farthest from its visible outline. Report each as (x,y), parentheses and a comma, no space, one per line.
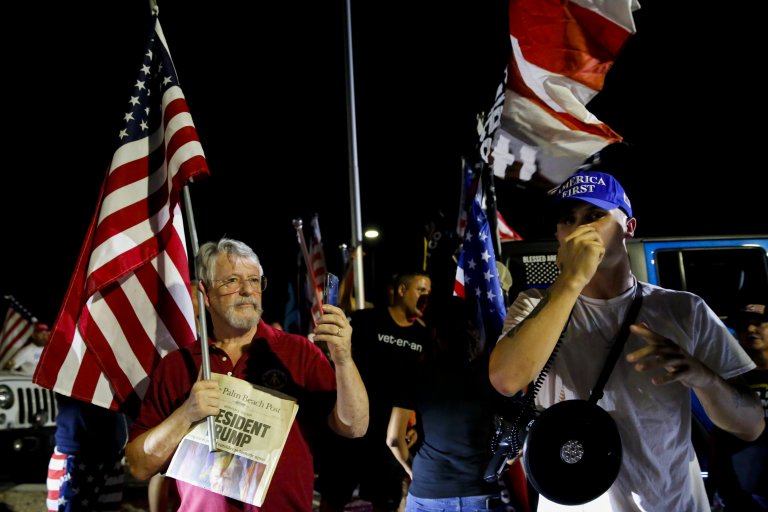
(40,327)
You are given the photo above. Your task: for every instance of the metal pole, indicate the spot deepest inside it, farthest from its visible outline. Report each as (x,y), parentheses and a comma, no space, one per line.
(354,180)
(200,311)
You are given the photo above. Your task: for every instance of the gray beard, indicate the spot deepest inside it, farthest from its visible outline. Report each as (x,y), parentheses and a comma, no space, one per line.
(241,322)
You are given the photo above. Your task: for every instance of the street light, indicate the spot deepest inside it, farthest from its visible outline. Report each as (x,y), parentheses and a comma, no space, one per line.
(372,234)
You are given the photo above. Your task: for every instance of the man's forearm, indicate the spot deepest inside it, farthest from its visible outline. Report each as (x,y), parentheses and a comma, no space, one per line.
(518,357)
(732,409)
(151,451)
(350,417)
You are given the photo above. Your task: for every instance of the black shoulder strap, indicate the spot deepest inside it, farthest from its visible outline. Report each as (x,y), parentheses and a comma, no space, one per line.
(613,356)
(618,345)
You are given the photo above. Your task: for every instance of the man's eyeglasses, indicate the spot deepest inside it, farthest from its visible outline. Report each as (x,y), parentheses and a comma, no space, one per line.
(234,284)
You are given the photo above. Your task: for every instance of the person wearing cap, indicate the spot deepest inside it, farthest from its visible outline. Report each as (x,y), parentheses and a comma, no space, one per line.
(675,346)
(25,360)
(750,324)
(739,474)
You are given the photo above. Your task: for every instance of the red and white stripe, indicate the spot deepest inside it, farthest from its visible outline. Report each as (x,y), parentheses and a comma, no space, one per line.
(561,53)
(128,303)
(17,329)
(506,233)
(317,279)
(57,468)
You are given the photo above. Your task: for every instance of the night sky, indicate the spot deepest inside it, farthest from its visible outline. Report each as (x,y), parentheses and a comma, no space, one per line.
(265,83)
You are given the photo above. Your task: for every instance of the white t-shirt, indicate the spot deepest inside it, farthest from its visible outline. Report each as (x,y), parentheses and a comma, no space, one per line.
(659,471)
(25,360)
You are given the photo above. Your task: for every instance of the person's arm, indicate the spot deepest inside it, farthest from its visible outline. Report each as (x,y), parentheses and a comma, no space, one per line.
(397,437)
(350,414)
(733,407)
(151,451)
(730,405)
(518,357)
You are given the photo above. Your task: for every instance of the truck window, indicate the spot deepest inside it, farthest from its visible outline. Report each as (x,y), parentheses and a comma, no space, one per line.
(724,277)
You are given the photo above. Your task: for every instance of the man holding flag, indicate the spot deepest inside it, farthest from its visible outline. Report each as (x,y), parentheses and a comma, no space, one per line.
(128,303)
(232,281)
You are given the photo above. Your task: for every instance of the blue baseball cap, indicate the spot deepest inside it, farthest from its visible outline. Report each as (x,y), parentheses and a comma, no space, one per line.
(597,188)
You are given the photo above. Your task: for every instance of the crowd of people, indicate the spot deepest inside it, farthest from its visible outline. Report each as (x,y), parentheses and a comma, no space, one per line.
(399,410)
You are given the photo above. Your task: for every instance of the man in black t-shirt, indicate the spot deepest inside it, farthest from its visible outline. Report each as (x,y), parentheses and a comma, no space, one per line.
(386,344)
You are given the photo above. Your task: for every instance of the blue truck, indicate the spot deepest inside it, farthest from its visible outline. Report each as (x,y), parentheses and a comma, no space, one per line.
(726,271)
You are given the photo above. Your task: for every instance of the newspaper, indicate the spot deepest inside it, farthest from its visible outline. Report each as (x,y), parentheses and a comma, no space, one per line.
(251,430)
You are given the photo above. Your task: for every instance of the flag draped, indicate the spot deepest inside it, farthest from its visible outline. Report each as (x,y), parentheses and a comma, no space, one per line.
(128,303)
(477,278)
(561,53)
(18,326)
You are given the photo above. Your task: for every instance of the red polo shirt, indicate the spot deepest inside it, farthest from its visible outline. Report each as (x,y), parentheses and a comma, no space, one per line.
(279,360)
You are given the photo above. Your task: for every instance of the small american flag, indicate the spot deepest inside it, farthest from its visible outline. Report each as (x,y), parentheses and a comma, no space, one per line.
(506,233)
(477,278)
(128,302)
(18,326)
(316,281)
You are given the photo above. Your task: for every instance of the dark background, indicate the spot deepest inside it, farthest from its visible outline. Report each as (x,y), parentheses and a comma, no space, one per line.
(265,83)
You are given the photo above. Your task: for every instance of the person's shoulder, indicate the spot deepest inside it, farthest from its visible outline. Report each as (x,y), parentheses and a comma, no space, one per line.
(678,303)
(277,337)
(659,293)
(194,349)
(179,358)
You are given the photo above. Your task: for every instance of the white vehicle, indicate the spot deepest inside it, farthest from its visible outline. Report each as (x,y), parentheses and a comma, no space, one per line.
(27,426)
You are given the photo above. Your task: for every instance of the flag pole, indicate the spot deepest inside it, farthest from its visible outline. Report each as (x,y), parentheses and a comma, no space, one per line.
(298,224)
(490,202)
(200,311)
(354,179)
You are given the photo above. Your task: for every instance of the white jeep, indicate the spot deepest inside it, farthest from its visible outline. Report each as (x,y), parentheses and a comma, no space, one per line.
(27,426)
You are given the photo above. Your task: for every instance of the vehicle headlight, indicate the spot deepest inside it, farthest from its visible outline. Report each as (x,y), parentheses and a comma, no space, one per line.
(41,417)
(6,397)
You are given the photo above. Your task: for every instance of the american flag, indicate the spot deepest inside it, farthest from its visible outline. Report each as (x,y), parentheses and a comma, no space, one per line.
(128,302)
(561,54)
(506,233)
(316,280)
(18,326)
(477,277)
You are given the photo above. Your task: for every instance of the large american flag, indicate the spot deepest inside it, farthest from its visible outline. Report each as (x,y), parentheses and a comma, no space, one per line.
(561,54)
(128,302)
(18,326)
(477,277)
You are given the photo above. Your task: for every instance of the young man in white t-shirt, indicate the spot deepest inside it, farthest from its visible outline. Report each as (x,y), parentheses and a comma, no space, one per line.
(25,360)
(675,345)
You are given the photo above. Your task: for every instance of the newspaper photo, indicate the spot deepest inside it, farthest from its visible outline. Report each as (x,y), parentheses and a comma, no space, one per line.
(250,430)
